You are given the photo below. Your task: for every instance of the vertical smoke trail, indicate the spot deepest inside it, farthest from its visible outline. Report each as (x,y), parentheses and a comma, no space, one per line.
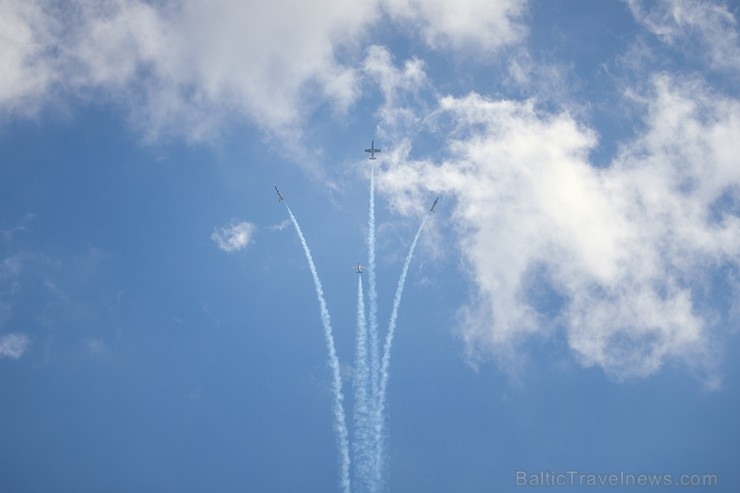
(362,444)
(373,335)
(382,388)
(340,425)
(373,332)
(373,295)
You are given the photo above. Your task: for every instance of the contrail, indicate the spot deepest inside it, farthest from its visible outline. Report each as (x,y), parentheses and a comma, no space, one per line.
(340,425)
(383,385)
(373,294)
(374,337)
(362,444)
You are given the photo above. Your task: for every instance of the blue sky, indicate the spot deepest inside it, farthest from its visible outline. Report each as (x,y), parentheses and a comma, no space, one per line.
(571,306)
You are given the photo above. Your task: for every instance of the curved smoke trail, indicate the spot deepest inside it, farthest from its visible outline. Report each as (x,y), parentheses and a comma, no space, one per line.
(340,425)
(384,373)
(361,446)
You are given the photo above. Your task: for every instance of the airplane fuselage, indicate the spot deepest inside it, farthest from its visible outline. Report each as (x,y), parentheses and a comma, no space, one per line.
(434,205)
(280,195)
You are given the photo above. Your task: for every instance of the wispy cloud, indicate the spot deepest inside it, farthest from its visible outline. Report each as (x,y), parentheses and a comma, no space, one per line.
(97,347)
(401,88)
(280,226)
(233,237)
(13,345)
(708,30)
(10,269)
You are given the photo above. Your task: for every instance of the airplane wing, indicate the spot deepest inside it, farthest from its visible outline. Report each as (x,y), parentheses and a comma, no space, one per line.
(372,149)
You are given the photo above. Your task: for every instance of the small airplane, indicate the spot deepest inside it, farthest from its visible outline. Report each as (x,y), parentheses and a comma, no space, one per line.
(359,268)
(280,195)
(434,205)
(372,150)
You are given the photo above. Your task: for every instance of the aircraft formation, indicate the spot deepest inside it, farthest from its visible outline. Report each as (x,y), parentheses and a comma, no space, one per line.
(368,443)
(359,268)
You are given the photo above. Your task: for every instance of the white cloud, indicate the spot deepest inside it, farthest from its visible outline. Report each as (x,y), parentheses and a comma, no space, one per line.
(233,237)
(199,63)
(26,59)
(187,67)
(13,345)
(484,25)
(697,25)
(400,88)
(183,67)
(626,251)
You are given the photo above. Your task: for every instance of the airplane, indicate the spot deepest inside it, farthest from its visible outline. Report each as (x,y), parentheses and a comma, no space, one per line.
(372,150)
(280,195)
(359,268)
(434,205)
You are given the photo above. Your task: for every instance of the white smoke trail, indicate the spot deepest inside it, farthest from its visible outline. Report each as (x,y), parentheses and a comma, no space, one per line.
(340,424)
(373,295)
(362,444)
(373,332)
(384,373)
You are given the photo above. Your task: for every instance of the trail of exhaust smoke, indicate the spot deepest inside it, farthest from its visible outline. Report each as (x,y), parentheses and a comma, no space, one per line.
(384,373)
(340,424)
(373,295)
(362,444)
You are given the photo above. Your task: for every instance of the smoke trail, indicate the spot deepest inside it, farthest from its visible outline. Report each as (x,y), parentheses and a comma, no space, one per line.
(384,373)
(362,445)
(340,425)
(373,295)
